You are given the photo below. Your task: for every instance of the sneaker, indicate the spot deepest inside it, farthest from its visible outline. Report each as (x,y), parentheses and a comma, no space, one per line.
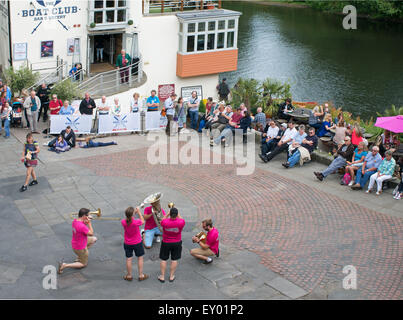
(208,261)
(286,165)
(351,183)
(23,188)
(318,175)
(158,239)
(395,191)
(368,191)
(264,159)
(33,182)
(378,193)
(397,196)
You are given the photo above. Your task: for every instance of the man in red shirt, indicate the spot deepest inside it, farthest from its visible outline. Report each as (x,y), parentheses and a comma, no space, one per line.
(172,225)
(83,238)
(55,105)
(210,246)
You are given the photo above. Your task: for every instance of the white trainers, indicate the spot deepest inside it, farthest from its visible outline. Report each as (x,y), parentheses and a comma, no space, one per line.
(395,190)
(351,183)
(158,239)
(397,196)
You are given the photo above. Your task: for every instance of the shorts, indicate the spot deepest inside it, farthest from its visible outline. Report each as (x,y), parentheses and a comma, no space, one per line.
(173,249)
(82,255)
(181,121)
(203,252)
(149,236)
(137,248)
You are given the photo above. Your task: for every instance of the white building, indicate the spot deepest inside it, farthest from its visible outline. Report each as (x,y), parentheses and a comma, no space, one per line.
(180,42)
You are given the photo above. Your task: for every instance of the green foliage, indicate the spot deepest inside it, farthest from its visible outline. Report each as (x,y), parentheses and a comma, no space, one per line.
(20,79)
(370,128)
(246,91)
(392,111)
(202,106)
(66,90)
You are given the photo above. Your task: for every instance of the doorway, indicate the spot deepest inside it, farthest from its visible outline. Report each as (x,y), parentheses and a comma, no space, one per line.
(104,51)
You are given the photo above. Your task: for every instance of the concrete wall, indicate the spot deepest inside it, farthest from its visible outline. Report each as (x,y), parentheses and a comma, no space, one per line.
(4,36)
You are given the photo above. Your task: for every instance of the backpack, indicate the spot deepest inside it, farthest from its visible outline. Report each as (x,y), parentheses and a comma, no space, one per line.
(346,179)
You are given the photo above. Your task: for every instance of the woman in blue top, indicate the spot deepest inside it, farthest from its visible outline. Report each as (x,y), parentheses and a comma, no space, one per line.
(358,159)
(29,157)
(326,126)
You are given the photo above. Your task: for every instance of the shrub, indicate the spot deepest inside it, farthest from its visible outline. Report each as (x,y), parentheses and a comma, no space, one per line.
(202,106)
(20,79)
(66,90)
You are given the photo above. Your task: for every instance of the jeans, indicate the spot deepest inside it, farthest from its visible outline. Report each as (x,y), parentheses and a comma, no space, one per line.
(92,144)
(100,54)
(194,116)
(226,133)
(379,181)
(149,236)
(269,146)
(362,179)
(6,127)
(294,159)
(337,163)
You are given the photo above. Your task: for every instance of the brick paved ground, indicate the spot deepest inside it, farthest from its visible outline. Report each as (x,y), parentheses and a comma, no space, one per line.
(299,232)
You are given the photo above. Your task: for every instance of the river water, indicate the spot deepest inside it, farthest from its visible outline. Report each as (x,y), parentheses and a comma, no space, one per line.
(360,70)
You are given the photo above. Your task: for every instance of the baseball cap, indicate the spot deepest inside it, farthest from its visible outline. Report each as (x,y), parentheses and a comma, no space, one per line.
(284,125)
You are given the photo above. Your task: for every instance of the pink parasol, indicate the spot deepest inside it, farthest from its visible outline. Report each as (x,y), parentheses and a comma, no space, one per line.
(393,124)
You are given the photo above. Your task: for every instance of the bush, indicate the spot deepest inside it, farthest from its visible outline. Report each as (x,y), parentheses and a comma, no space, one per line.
(66,90)
(20,79)
(202,106)
(246,91)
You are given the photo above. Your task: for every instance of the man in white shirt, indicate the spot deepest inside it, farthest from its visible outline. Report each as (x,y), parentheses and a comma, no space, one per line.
(170,111)
(284,143)
(103,107)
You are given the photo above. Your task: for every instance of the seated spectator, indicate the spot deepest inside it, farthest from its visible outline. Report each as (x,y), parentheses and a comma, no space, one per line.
(389,142)
(340,133)
(223,119)
(68,136)
(369,167)
(259,120)
(243,109)
(326,126)
(229,131)
(296,142)
(209,106)
(303,152)
(398,192)
(213,117)
(103,107)
(89,143)
(55,105)
(340,117)
(60,145)
(344,153)
(385,172)
(153,102)
(67,109)
(356,136)
(284,109)
(315,117)
(135,103)
(283,144)
(272,137)
(358,159)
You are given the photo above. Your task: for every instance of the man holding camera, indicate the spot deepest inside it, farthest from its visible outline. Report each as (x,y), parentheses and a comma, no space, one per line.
(83,238)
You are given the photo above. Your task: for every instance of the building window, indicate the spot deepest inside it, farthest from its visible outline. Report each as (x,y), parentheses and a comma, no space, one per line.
(207,35)
(108,11)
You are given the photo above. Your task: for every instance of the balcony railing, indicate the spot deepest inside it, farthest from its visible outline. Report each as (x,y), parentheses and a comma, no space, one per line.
(166,6)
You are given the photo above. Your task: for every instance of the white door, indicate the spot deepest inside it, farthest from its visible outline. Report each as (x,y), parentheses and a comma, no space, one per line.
(112,49)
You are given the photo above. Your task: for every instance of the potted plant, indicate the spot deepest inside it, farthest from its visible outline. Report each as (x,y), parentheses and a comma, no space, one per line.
(92,25)
(130,22)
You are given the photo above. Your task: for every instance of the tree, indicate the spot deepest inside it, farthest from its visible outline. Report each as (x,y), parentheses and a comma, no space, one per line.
(20,79)
(246,91)
(66,90)
(273,89)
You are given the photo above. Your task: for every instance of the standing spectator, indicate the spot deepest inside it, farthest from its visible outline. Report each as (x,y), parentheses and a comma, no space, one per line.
(32,105)
(55,105)
(193,107)
(153,102)
(385,172)
(370,166)
(87,105)
(67,109)
(223,90)
(30,159)
(260,119)
(99,46)
(24,96)
(344,154)
(103,107)
(43,94)
(5,116)
(181,111)
(8,92)
(135,103)
(172,225)
(170,111)
(122,63)
(3,98)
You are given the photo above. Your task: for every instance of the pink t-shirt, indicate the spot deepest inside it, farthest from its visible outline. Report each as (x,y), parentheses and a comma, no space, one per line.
(80,231)
(150,223)
(132,231)
(212,240)
(172,230)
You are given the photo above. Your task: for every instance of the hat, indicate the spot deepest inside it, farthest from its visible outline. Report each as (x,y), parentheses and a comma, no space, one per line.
(284,125)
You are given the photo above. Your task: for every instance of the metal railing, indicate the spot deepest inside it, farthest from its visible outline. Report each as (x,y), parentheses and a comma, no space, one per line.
(164,6)
(54,76)
(101,82)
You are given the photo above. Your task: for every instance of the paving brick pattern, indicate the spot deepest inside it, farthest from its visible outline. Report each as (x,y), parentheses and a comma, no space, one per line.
(299,232)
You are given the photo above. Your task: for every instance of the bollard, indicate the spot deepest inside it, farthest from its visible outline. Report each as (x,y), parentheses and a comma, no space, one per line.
(142,122)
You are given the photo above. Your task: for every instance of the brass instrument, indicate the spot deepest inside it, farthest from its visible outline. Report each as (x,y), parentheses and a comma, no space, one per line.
(201,236)
(95,215)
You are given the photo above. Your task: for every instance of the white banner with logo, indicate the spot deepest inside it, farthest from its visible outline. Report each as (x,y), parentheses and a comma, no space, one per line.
(80,124)
(154,121)
(115,124)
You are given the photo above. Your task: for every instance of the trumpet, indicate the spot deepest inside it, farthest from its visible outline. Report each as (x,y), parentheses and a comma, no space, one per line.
(171,205)
(92,215)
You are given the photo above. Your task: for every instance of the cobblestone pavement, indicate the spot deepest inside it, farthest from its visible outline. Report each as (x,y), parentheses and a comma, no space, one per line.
(301,233)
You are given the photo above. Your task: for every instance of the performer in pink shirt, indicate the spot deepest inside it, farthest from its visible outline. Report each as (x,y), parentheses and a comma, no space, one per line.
(172,225)
(209,247)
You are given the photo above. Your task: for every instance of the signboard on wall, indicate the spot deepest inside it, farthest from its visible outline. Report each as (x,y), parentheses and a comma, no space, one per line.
(46,49)
(165,91)
(20,51)
(186,92)
(73,46)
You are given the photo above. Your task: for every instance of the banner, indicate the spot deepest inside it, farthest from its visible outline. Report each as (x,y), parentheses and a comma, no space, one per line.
(154,121)
(115,124)
(80,124)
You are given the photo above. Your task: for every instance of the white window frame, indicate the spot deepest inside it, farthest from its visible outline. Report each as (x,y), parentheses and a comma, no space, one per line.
(93,10)
(206,32)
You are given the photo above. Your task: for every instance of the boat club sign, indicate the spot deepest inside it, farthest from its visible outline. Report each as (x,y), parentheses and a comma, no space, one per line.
(48,10)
